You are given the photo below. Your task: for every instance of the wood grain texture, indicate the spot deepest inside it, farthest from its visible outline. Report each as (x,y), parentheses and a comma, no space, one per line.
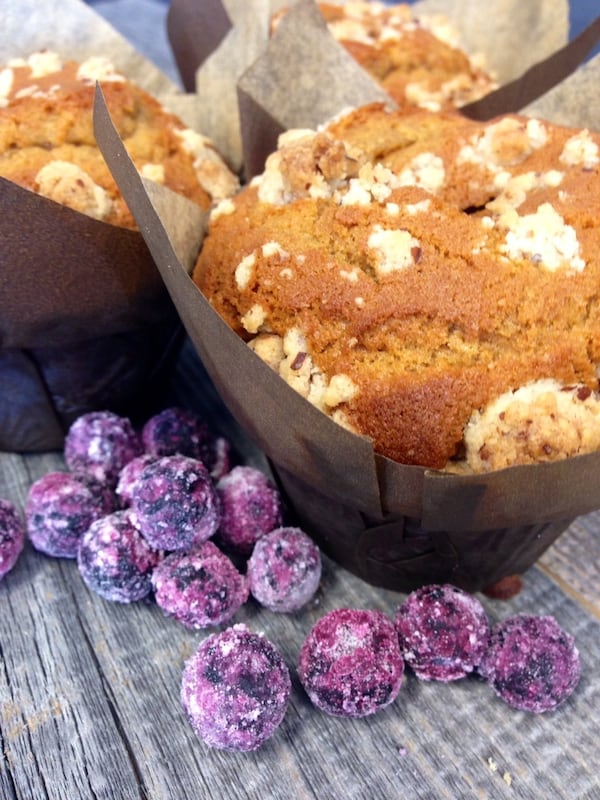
(89,692)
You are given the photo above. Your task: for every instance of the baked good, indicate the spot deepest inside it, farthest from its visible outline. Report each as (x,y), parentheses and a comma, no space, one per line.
(405,271)
(417,59)
(235,689)
(443,632)
(47,140)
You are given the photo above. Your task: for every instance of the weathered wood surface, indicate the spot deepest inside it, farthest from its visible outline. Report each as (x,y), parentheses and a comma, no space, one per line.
(89,694)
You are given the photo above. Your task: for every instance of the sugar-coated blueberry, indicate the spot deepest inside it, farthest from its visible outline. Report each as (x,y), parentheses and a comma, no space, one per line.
(284,569)
(531,663)
(99,444)
(235,689)
(174,503)
(443,632)
(12,536)
(199,588)
(114,559)
(250,507)
(350,663)
(60,508)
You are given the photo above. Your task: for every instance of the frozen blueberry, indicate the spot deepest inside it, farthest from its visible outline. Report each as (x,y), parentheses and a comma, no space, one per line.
(235,689)
(12,536)
(115,560)
(99,444)
(174,503)
(175,431)
(443,632)
(60,508)
(250,507)
(129,475)
(199,588)
(531,663)
(350,663)
(284,569)
(181,431)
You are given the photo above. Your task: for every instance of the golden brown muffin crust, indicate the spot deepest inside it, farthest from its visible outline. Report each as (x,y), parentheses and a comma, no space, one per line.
(440,263)
(46,119)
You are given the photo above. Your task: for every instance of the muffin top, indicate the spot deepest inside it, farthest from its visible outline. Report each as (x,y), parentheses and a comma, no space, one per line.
(417,60)
(404,271)
(47,140)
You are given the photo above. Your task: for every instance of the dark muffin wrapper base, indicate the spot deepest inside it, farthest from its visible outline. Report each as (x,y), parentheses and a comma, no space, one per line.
(396,552)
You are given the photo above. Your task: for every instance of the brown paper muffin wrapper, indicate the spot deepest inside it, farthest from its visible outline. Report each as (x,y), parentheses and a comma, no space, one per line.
(86,321)
(395,525)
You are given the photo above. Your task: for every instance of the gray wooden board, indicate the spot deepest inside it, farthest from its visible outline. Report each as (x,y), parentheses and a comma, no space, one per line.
(89,695)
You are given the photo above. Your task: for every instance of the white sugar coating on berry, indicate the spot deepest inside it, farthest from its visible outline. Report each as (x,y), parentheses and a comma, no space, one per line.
(114,559)
(284,569)
(350,663)
(60,508)
(443,632)
(99,444)
(200,588)
(250,507)
(532,663)
(129,475)
(174,503)
(235,689)
(12,536)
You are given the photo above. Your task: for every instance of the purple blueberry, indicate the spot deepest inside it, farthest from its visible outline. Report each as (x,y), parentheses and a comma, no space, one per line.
(284,569)
(175,431)
(531,663)
(174,503)
(129,475)
(179,431)
(199,588)
(250,507)
(60,508)
(350,663)
(99,444)
(443,632)
(235,689)
(12,536)
(115,560)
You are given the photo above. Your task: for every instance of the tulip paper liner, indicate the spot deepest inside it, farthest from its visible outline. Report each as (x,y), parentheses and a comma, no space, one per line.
(393,524)
(254,86)
(86,322)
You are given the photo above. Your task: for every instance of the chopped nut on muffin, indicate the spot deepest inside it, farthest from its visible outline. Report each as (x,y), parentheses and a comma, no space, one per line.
(404,271)
(47,140)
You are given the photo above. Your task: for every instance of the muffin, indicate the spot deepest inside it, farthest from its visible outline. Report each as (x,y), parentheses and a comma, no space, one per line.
(47,140)
(418,60)
(427,281)
(87,323)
